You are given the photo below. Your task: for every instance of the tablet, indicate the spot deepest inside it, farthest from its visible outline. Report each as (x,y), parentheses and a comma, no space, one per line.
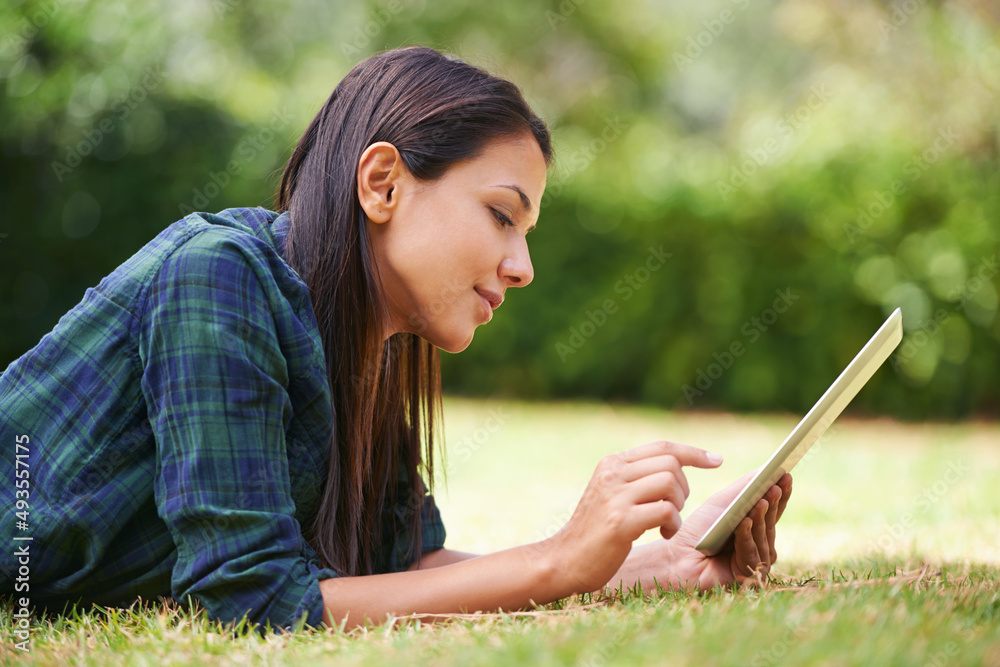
(816,421)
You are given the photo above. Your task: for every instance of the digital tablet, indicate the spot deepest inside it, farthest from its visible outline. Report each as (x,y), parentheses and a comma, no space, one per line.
(816,421)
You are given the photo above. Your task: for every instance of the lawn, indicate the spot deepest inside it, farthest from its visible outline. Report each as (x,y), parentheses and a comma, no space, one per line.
(890,555)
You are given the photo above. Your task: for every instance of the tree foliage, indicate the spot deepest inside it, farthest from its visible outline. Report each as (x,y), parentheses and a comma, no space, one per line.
(743,190)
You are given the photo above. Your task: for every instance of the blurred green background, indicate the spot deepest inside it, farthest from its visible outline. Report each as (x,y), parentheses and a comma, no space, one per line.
(743,189)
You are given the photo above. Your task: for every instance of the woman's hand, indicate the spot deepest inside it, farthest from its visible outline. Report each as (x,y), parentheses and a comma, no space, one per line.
(745,559)
(749,554)
(629,493)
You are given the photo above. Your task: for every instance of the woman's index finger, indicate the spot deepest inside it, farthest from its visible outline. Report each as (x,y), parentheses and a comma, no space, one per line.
(685,454)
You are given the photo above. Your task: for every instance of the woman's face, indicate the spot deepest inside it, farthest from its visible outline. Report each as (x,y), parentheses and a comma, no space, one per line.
(447,250)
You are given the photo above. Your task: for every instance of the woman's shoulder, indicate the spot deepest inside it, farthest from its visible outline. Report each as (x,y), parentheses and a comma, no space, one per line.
(223,265)
(252,225)
(204,243)
(248,229)
(206,249)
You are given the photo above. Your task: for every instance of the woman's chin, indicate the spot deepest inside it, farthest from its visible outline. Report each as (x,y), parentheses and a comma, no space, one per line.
(453,343)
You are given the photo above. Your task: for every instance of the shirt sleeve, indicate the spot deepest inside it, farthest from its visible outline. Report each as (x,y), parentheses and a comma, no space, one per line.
(432,531)
(215,381)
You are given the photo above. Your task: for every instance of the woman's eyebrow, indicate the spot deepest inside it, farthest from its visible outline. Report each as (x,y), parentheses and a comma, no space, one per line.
(525,202)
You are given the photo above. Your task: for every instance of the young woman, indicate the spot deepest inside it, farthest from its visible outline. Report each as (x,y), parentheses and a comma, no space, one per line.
(244,412)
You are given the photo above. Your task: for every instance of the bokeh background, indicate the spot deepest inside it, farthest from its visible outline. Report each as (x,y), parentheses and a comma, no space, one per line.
(743,190)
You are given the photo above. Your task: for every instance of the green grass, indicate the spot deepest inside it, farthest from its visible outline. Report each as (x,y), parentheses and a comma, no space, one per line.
(886,558)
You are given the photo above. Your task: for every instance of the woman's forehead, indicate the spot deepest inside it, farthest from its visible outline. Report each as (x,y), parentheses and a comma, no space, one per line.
(514,163)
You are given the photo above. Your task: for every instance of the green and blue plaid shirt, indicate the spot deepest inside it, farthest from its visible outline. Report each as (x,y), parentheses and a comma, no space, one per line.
(177,424)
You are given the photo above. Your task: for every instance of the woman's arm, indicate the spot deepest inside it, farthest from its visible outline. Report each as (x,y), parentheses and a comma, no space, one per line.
(510,579)
(629,493)
(440,557)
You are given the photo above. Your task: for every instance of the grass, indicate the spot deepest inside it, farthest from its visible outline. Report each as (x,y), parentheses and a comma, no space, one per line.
(890,555)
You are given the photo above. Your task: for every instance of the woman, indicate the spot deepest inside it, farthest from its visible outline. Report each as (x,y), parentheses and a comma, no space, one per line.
(244,411)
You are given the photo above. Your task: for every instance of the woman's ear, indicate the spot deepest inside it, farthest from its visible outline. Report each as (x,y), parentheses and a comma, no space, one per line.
(380,170)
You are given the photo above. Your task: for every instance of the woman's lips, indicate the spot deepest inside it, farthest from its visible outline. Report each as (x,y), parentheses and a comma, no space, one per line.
(491,301)
(493,298)
(487,307)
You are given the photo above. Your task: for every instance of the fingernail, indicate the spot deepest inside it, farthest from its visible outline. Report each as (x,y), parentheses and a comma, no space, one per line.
(714,458)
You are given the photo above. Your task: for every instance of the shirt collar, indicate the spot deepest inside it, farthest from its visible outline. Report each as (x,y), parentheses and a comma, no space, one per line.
(279,229)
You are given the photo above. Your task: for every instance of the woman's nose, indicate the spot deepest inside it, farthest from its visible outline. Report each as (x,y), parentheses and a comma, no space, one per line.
(516,269)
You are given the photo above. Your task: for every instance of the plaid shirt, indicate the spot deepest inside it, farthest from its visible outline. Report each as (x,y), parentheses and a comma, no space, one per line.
(177,424)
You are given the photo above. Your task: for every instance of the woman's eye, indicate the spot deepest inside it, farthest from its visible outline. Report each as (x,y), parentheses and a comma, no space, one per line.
(504,220)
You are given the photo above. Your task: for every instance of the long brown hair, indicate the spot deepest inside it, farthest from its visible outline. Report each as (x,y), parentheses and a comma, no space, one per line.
(386,396)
